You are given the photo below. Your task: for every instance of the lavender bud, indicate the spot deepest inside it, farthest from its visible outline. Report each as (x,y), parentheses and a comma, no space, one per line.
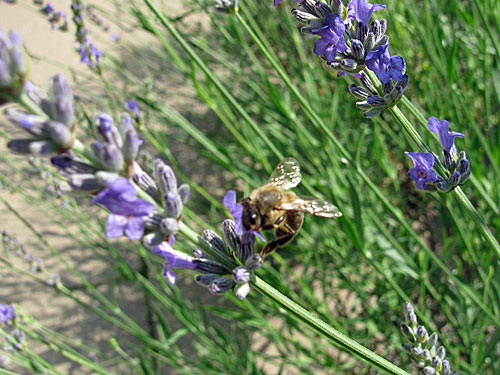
(464,176)
(376,101)
(59,134)
(29,146)
(105,129)
(367,82)
(173,205)
(105,178)
(198,253)
(441,184)
(5,77)
(151,240)
(436,362)
(407,332)
(169,226)
(131,145)
(241,275)
(428,370)
(359,92)
(153,221)
(454,179)
(31,123)
(462,163)
(230,236)
(358,50)
(145,182)
(432,340)
(84,182)
(253,262)
(17,62)
(421,334)
(417,352)
(369,42)
(242,290)
(63,100)
(409,314)
(364,106)
(247,242)
(220,285)
(426,354)
(206,279)
(215,241)
(449,160)
(111,157)
(210,266)
(184,191)
(70,165)
(446,369)
(126,124)
(165,177)
(441,352)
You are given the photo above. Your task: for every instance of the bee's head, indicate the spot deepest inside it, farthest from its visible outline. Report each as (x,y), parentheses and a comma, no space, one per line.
(251,215)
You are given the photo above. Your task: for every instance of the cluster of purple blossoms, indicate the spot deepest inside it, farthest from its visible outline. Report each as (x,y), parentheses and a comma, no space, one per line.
(422,347)
(7,314)
(89,54)
(133,107)
(113,154)
(52,133)
(456,163)
(12,66)
(350,41)
(57,19)
(216,277)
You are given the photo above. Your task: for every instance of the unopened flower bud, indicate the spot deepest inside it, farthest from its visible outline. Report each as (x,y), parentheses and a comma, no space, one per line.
(441,352)
(30,123)
(173,205)
(145,182)
(215,241)
(242,290)
(454,179)
(69,165)
(446,369)
(84,182)
(436,362)
(111,157)
(105,130)
(184,191)
(151,240)
(59,134)
(373,112)
(463,164)
(376,101)
(358,50)
(241,275)
(428,370)
(359,91)
(421,334)
(169,226)
(407,332)
(206,279)
(30,146)
(253,262)
(230,236)
(220,285)
(210,266)
(131,145)
(247,243)
(449,159)
(432,340)
(165,177)
(62,98)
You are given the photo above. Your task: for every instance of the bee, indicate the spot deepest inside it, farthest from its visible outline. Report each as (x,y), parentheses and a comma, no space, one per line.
(272,206)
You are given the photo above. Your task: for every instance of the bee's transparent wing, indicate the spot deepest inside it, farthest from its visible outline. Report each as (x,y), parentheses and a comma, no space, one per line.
(316,207)
(286,175)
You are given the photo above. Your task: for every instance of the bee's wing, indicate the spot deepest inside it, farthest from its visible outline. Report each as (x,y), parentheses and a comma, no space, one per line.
(286,175)
(313,206)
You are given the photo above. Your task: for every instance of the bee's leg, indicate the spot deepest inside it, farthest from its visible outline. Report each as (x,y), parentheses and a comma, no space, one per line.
(274,225)
(283,237)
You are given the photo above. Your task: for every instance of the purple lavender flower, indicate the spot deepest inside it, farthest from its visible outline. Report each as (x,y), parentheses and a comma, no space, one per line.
(173,259)
(236,211)
(7,313)
(422,171)
(446,137)
(133,106)
(127,211)
(384,65)
(277,2)
(331,38)
(362,11)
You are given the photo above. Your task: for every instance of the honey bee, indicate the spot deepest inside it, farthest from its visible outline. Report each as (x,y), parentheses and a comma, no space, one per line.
(272,206)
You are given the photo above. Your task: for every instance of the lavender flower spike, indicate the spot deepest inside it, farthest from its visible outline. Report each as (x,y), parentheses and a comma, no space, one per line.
(127,211)
(446,137)
(384,65)
(422,171)
(236,211)
(332,38)
(7,313)
(362,11)
(173,259)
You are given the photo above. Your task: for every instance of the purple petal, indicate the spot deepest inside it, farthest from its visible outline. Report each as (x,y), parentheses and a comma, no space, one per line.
(143,207)
(362,11)
(446,138)
(229,199)
(422,160)
(134,228)
(115,225)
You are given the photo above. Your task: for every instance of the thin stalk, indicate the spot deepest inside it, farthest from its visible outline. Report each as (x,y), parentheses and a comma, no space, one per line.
(320,124)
